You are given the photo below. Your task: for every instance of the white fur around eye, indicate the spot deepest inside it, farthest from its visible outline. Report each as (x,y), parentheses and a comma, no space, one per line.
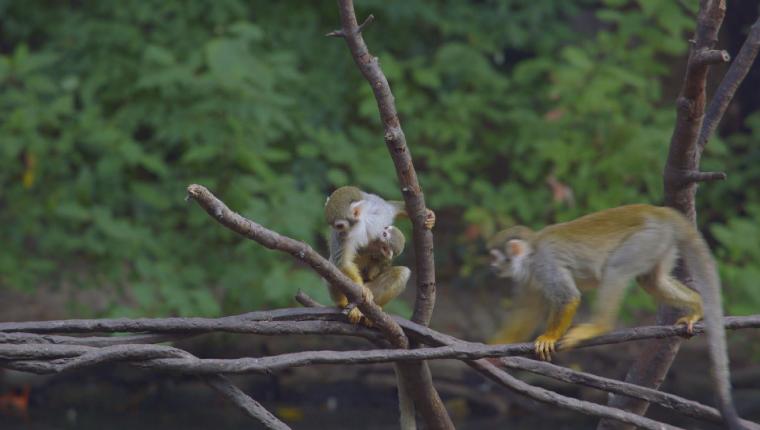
(356,208)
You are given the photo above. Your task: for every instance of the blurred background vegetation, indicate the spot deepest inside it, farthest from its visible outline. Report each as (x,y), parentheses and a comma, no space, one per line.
(515,111)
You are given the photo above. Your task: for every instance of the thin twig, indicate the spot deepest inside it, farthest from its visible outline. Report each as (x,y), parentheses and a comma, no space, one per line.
(244,402)
(730,83)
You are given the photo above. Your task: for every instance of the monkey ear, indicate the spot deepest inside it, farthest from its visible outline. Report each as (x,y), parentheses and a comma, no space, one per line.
(517,247)
(356,208)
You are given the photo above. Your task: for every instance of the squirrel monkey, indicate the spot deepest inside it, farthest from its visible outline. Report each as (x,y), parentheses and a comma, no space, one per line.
(375,258)
(357,218)
(363,243)
(608,249)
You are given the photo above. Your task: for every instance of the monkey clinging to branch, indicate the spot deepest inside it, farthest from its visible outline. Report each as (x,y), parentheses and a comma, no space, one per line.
(357,218)
(608,249)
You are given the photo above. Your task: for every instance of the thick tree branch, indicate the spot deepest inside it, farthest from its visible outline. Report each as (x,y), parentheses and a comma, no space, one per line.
(683,155)
(730,83)
(656,357)
(402,159)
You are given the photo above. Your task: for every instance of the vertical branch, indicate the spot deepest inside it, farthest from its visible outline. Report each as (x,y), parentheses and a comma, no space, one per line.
(684,154)
(416,376)
(402,159)
(680,176)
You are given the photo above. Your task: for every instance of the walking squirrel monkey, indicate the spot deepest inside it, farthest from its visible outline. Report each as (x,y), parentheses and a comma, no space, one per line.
(357,218)
(608,249)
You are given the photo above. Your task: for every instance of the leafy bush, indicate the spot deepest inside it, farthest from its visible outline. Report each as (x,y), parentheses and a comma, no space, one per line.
(109,112)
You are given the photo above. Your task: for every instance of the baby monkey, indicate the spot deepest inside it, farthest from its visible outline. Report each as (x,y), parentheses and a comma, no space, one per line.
(385,282)
(608,249)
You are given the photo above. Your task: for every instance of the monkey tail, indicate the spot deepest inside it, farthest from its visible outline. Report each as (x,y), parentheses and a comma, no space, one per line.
(701,265)
(405,403)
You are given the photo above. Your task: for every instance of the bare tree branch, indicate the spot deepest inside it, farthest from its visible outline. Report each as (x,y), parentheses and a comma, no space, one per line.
(417,377)
(670,401)
(656,357)
(683,155)
(63,355)
(245,403)
(396,141)
(549,397)
(730,83)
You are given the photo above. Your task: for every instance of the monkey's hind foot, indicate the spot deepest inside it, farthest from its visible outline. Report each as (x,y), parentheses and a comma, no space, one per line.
(355,315)
(582,332)
(545,346)
(689,321)
(429,219)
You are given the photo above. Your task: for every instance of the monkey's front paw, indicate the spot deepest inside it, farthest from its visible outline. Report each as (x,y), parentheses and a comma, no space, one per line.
(581,333)
(545,346)
(689,321)
(355,316)
(429,219)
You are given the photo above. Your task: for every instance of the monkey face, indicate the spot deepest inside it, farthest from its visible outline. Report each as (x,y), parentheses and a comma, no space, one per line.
(501,263)
(511,262)
(393,241)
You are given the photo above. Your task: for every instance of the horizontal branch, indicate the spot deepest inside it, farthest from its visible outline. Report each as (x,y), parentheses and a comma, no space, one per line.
(63,355)
(318,321)
(666,400)
(549,397)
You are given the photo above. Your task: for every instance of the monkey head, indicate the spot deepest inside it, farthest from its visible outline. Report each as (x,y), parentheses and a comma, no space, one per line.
(343,208)
(509,251)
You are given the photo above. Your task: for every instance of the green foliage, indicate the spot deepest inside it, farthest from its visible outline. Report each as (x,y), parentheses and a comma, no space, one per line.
(109,112)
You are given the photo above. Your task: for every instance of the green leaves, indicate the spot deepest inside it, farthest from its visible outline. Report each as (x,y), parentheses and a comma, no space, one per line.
(108,113)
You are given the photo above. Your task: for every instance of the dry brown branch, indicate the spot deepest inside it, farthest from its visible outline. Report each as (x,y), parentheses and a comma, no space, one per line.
(679,404)
(730,83)
(666,400)
(680,176)
(552,398)
(245,403)
(396,141)
(417,376)
(64,355)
